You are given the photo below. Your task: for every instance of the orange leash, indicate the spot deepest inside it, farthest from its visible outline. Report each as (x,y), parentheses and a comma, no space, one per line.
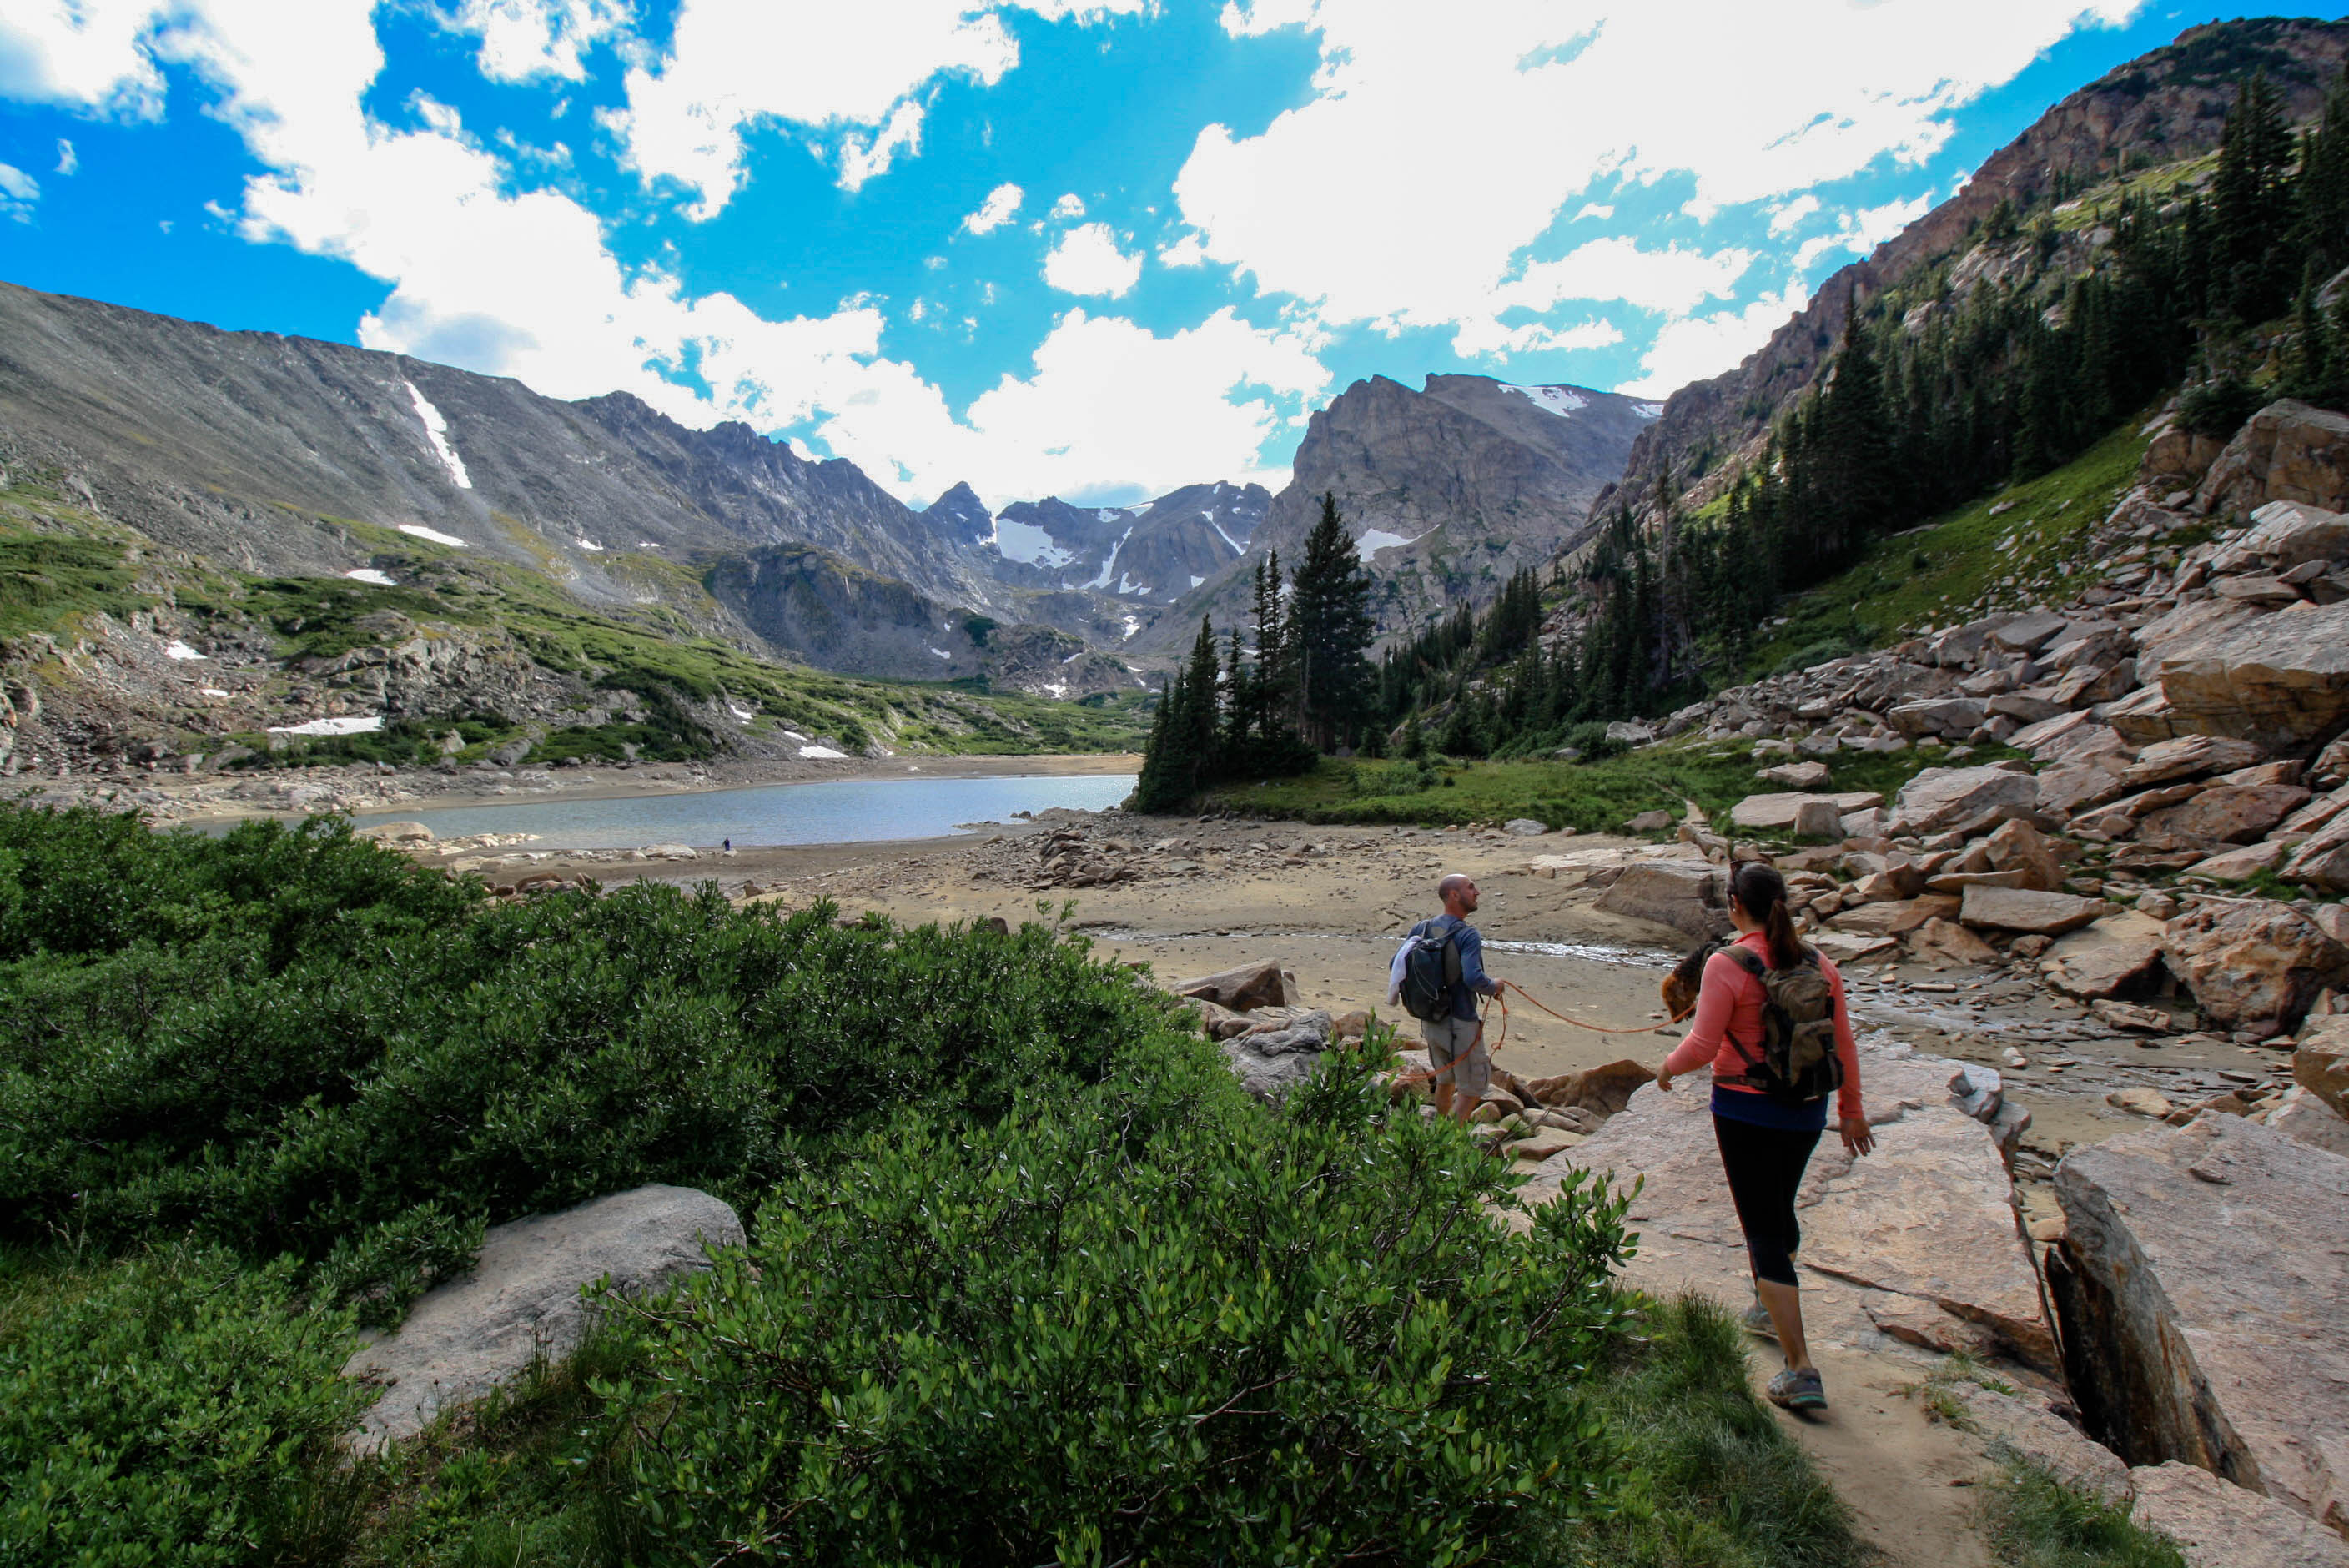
(1501,1002)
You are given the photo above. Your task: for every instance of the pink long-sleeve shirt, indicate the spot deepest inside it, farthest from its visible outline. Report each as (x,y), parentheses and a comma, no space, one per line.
(1729,1007)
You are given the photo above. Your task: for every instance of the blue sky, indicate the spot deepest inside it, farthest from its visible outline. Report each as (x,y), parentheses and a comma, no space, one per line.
(1093,249)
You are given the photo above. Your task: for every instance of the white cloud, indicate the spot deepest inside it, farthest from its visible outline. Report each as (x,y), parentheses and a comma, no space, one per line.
(90,55)
(995,211)
(1070,205)
(68,161)
(1186,252)
(1672,280)
(1487,336)
(1088,262)
(523,39)
(1441,154)
(18,191)
(1695,347)
(1861,232)
(862,158)
(732,64)
(1602,211)
(1109,404)
(1783,220)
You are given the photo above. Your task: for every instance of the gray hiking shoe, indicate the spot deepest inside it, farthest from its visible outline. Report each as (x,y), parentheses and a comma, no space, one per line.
(1803,1390)
(1756,1319)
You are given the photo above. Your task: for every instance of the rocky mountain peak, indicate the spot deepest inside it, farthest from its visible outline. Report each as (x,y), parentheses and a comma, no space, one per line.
(960,517)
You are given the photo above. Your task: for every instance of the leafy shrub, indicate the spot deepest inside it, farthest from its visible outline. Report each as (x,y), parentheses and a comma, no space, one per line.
(2219,408)
(1151,1321)
(1590,738)
(172,1408)
(291,1041)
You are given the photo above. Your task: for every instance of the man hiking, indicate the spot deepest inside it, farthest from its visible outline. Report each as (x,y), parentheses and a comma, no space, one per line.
(1441,990)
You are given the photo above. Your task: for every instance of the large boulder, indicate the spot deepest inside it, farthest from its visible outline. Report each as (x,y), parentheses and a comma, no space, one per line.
(2024,1425)
(2286,451)
(2252,963)
(2118,955)
(1271,1062)
(2217,1524)
(2320,1064)
(1690,896)
(1600,1090)
(1780,811)
(2223,814)
(2303,1115)
(1927,1216)
(2289,534)
(2187,757)
(2203,1269)
(464,1339)
(1243,989)
(2323,861)
(2279,680)
(1938,716)
(2020,909)
(2017,846)
(1940,799)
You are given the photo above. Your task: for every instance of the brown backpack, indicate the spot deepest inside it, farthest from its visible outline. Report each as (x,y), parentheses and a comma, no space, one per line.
(1796,1061)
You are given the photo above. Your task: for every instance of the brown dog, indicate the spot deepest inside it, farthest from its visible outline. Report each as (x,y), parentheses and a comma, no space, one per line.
(1681,986)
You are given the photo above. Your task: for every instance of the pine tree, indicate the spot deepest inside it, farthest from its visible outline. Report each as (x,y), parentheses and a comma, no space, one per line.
(2323,188)
(1854,447)
(2252,207)
(1330,621)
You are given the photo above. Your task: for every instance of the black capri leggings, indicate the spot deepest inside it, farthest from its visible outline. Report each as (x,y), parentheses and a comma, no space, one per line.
(1765,1166)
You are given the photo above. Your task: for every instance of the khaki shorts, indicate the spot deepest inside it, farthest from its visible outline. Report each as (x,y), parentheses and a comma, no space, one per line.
(1455,1049)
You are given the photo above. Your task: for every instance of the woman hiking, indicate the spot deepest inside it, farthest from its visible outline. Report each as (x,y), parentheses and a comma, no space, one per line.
(1766,1115)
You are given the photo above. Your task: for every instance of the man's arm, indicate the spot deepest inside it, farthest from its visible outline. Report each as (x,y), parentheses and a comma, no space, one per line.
(1472,964)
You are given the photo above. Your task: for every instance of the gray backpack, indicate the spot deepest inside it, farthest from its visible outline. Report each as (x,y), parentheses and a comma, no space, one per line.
(1431,969)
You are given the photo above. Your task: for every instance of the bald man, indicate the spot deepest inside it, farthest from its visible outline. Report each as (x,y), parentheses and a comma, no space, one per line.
(1455,1042)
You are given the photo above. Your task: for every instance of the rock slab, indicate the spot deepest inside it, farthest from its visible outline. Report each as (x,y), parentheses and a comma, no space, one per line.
(2204,1270)
(464,1339)
(2217,1524)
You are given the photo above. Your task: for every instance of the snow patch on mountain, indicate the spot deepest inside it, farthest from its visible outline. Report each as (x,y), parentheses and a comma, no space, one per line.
(369,574)
(417,530)
(367,725)
(176,649)
(1561,401)
(436,431)
(1374,539)
(1028,545)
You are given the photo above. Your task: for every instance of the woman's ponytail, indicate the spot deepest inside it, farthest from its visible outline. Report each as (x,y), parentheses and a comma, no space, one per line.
(1761,892)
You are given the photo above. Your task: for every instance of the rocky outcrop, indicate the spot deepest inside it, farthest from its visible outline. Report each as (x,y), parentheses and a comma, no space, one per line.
(1447,491)
(2253,963)
(523,1299)
(1689,896)
(2201,1272)
(2216,1524)
(1271,1062)
(1922,1232)
(2173,99)
(2286,452)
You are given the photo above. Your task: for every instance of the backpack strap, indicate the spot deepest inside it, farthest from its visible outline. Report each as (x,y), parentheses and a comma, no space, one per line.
(1745,958)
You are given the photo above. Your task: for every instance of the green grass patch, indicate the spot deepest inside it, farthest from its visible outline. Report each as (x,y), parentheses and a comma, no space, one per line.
(1713,1478)
(1589,797)
(2037,1521)
(1932,576)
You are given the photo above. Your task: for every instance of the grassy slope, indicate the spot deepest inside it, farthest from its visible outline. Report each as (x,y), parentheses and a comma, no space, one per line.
(1589,797)
(61,567)
(1961,564)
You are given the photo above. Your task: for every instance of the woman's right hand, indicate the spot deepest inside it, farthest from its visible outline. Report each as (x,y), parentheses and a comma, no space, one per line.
(1664,1079)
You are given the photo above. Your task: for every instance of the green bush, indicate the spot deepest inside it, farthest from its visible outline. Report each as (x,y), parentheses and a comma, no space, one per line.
(172,1408)
(1590,738)
(2037,1521)
(294,1042)
(1151,1321)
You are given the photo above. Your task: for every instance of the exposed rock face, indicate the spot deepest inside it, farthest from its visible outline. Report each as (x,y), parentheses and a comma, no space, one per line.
(2020,909)
(1928,1217)
(1271,1062)
(1448,489)
(1940,799)
(2220,1525)
(1689,896)
(2252,962)
(1780,810)
(467,1337)
(2281,680)
(1153,554)
(2287,452)
(2205,1265)
(2118,955)
(2029,1429)
(1251,985)
(2173,98)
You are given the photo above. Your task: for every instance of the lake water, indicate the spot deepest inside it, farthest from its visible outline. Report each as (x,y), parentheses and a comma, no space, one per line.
(848,811)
